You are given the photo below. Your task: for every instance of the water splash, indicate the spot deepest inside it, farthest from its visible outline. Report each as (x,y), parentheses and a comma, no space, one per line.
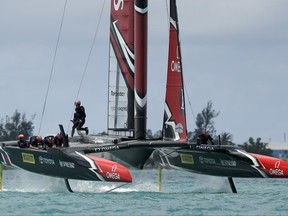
(16,180)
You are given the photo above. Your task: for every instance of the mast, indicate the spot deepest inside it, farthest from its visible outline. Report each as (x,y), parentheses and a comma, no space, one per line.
(174,125)
(140,89)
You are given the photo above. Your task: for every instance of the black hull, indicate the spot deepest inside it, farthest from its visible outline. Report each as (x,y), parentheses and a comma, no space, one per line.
(64,163)
(215,163)
(215,160)
(52,163)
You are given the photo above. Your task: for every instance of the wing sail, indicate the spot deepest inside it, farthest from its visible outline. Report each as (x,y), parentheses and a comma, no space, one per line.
(121,68)
(174,125)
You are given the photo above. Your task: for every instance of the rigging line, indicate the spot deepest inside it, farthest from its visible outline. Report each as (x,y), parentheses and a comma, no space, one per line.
(186,92)
(185,89)
(168,15)
(168,21)
(167,51)
(52,68)
(88,60)
(184,85)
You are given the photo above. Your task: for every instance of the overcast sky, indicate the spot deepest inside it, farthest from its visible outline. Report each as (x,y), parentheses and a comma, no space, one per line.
(235,54)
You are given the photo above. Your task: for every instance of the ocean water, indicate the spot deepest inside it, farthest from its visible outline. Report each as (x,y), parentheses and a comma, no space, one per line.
(182,193)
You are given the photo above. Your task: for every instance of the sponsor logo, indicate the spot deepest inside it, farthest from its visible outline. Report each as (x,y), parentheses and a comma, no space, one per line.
(204,147)
(204,160)
(277,164)
(175,66)
(119,109)
(43,160)
(65,164)
(276,171)
(28,158)
(117,94)
(187,159)
(118,4)
(114,168)
(177,52)
(107,148)
(228,163)
(113,174)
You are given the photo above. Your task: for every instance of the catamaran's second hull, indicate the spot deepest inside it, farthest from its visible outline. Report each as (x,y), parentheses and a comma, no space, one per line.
(223,161)
(216,160)
(58,163)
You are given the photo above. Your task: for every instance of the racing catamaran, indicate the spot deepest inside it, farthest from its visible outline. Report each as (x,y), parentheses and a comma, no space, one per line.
(66,162)
(127,119)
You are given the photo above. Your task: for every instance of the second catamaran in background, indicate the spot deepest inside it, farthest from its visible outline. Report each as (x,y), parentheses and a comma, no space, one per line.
(127,107)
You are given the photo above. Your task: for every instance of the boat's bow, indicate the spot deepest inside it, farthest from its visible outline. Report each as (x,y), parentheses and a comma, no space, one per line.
(273,167)
(110,170)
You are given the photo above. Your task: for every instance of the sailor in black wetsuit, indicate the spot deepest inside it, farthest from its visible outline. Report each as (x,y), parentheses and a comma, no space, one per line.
(79,118)
(204,138)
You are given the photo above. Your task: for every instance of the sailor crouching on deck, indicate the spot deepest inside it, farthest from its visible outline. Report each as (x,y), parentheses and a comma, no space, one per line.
(36,142)
(22,143)
(204,138)
(48,142)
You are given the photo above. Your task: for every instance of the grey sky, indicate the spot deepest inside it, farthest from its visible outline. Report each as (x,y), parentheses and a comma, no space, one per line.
(234,53)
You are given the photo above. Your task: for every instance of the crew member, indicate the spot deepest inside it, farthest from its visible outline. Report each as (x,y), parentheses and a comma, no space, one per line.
(40,142)
(79,118)
(33,142)
(48,141)
(22,143)
(36,142)
(58,140)
(204,138)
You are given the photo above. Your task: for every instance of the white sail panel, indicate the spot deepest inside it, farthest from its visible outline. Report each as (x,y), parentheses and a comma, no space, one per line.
(117,97)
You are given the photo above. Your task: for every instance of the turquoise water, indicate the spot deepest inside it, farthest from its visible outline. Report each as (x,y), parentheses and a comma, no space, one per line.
(182,193)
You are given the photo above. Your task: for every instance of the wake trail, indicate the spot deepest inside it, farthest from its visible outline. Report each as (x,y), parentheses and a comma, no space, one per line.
(17,180)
